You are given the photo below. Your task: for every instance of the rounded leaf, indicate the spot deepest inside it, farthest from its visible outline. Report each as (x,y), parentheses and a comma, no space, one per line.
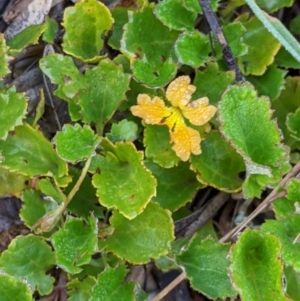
(147,236)
(75,143)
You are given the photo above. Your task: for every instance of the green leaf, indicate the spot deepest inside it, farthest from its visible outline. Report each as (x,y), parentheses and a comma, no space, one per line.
(192,48)
(219,164)
(84,201)
(295,25)
(173,14)
(292,123)
(145,35)
(75,143)
(270,83)
(10,286)
(175,186)
(286,60)
(84,24)
(87,101)
(120,15)
(233,33)
(205,263)
(274,5)
(123,131)
(293,283)
(256,270)
(75,243)
(80,290)
(124,183)
(158,146)
(293,190)
(27,151)
(284,207)
(110,286)
(277,29)
(29,257)
(99,102)
(47,188)
(4,58)
(258,58)
(29,36)
(286,230)
(153,77)
(13,110)
(34,207)
(246,123)
(287,102)
(212,82)
(142,238)
(51,30)
(12,183)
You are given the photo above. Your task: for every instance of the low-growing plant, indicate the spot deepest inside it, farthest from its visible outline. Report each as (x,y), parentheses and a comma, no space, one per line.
(159,110)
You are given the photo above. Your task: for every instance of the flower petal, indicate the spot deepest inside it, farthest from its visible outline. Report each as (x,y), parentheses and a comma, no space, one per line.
(186,141)
(152,111)
(180,91)
(199,112)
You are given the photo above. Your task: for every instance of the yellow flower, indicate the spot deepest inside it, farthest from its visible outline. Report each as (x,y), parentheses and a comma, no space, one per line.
(185,140)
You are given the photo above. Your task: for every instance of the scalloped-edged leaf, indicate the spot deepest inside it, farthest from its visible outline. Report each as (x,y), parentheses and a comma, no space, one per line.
(120,15)
(160,40)
(51,30)
(286,230)
(87,101)
(294,25)
(110,286)
(75,243)
(287,102)
(192,48)
(10,286)
(27,151)
(293,190)
(256,269)
(153,77)
(205,263)
(286,60)
(233,33)
(29,36)
(48,189)
(85,24)
(284,207)
(270,83)
(34,207)
(75,143)
(3,57)
(258,58)
(100,101)
(277,29)
(147,236)
(292,283)
(292,123)
(84,201)
(175,186)
(124,183)
(173,14)
(219,164)
(13,110)
(212,82)
(12,183)
(158,146)
(123,130)
(246,123)
(80,290)
(274,5)
(29,257)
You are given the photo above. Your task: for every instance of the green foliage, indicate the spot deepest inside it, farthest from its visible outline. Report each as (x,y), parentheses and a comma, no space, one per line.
(104,191)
